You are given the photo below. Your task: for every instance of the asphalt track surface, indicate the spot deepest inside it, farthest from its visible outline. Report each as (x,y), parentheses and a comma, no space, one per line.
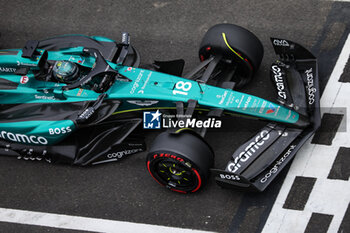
(160,30)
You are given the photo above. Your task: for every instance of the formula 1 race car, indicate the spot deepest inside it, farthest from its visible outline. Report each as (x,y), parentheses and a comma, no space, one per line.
(83,101)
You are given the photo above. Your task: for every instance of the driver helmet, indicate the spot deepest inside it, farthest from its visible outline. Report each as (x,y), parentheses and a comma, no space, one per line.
(65,71)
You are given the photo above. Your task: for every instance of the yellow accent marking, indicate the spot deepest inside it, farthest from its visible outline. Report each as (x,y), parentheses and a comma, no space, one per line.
(179,130)
(173,165)
(224,36)
(164,165)
(197,109)
(162,171)
(178,182)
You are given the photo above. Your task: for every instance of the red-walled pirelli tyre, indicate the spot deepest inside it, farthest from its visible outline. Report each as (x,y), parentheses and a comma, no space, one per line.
(234,43)
(180,161)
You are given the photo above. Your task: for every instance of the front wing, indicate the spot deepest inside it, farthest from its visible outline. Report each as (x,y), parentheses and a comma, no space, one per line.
(256,163)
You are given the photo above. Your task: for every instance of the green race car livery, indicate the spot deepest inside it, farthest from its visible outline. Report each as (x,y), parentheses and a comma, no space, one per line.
(72,99)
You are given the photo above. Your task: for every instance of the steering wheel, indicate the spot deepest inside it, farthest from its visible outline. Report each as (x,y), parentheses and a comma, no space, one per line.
(100,67)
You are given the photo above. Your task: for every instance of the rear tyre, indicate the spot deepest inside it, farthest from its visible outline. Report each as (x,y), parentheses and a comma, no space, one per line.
(180,161)
(237,45)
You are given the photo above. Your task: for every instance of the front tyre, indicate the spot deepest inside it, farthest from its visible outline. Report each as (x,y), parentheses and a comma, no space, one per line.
(180,161)
(235,44)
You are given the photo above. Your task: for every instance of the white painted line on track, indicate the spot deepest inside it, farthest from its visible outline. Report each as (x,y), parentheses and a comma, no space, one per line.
(328,196)
(83,223)
(333,86)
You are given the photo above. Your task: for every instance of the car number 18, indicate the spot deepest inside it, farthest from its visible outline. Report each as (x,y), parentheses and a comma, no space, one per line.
(182,88)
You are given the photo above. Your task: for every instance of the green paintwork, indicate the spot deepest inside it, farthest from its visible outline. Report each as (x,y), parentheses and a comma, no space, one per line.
(144,85)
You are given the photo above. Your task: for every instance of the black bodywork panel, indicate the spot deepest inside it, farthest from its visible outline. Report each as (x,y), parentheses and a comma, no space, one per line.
(7,85)
(91,145)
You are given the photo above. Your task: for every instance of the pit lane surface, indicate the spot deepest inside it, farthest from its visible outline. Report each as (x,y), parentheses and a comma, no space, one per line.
(161,30)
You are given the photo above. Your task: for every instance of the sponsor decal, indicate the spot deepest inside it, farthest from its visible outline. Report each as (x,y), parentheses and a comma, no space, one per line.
(240,102)
(25,64)
(129,69)
(289,114)
(87,113)
(74,59)
(230,99)
(280,42)
(24,79)
(80,92)
(271,109)
(143,102)
(274,169)
(222,97)
(163,155)
(311,90)
(137,81)
(279,82)
(229,177)
(151,120)
(7,69)
(121,154)
(62,130)
(86,80)
(246,103)
(278,108)
(44,97)
(262,107)
(23,138)
(255,104)
(250,150)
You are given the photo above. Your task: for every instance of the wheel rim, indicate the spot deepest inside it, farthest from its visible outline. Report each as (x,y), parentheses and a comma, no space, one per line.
(177,176)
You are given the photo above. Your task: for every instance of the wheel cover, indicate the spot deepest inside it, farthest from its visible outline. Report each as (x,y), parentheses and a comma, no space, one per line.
(177,176)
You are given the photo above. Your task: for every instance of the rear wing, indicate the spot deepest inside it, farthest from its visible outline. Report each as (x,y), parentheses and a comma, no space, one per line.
(256,163)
